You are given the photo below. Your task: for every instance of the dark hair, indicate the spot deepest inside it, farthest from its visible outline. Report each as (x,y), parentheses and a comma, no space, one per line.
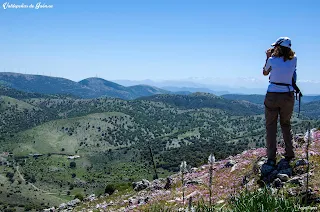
(282,51)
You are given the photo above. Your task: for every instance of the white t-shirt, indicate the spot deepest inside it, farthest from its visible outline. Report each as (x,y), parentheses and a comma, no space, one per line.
(281,72)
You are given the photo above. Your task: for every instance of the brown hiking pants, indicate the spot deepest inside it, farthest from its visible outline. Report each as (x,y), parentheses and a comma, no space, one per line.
(279,104)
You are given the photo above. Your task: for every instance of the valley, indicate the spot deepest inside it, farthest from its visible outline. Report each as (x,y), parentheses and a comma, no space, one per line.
(61,147)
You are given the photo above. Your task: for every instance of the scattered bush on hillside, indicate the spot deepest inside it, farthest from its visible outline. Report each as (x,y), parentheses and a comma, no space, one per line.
(110,188)
(79,196)
(31,179)
(73,165)
(28,207)
(9,210)
(10,175)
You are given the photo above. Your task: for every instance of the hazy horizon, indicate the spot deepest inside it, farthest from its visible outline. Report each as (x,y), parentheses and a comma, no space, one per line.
(238,85)
(156,40)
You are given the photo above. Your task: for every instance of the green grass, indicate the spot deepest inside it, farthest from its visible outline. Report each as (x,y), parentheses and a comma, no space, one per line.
(263,200)
(248,201)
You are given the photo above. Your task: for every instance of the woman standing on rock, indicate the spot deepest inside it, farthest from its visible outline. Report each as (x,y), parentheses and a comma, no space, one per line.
(279,101)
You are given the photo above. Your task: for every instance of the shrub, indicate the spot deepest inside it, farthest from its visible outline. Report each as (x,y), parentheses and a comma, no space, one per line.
(79,196)
(10,175)
(9,210)
(28,207)
(109,189)
(73,165)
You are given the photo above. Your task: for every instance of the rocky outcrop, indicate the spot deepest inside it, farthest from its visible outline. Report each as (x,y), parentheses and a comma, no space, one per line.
(140,185)
(230,163)
(282,174)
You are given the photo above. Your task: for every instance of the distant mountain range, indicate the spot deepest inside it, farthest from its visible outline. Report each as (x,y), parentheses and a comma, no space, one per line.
(87,88)
(220,86)
(128,90)
(194,89)
(196,85)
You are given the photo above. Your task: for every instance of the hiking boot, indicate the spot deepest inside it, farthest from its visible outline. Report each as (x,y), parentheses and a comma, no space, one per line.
(284,167)
(268,167)
(271,162)
(284,163)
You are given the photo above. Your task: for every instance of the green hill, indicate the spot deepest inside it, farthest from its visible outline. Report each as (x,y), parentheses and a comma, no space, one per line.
(254,98)
(17,115)
(207,100)
(87,88)
(311,109)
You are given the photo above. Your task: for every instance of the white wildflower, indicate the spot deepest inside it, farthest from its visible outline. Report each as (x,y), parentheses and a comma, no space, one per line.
(211,159)
(183,167)
(306,136)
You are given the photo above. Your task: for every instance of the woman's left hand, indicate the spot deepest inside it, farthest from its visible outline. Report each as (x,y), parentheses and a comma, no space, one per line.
(269,52)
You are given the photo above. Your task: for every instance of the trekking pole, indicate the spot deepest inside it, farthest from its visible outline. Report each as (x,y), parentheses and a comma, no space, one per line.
(300,95)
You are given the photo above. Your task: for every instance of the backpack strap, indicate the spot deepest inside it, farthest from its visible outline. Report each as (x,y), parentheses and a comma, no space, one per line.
(296,89)
(298,92)
(282,84)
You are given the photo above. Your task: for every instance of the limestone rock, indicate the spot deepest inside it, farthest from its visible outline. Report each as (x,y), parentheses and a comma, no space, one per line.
(90,198)
(298,180)
(277,183)
(193,170)
(301,162)
(283,177)
(140,185)
(230,163)
(299,170)
(73,203)
(52,209)
(156,185)
(293,192)
(63,206)
(194,182)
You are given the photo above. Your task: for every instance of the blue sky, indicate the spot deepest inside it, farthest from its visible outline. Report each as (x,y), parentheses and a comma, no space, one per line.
(156,39)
